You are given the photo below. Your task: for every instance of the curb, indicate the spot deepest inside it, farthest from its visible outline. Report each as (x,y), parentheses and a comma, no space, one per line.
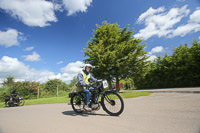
(195,92)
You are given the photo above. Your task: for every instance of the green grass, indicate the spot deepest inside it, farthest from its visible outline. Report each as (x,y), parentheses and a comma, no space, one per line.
(47,100)
(66,99)
(2,104)
(133,94)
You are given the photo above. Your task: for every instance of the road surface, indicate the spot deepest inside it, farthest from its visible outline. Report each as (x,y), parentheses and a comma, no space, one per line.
(157,113)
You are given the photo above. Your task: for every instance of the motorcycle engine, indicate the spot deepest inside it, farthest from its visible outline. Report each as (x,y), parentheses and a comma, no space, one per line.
(95,106)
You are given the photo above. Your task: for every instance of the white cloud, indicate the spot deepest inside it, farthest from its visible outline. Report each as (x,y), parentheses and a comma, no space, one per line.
(152,57)
(34,57)
(30,12)
(13,67)
(73,67)
(29,48)
(195,16)
(151,54)
(185,29)
(10,38)
(193,25)
(160,23)
(73,6)
(60,62)
(150,12)
(157,49)
(71,70)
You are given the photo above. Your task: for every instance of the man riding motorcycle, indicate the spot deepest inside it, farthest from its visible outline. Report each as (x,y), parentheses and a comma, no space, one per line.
(83,84)
(13,95)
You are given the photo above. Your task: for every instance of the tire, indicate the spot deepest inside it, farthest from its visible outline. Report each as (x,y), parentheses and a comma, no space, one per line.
(112,103)
(21,102)
(77,102)
(6,104)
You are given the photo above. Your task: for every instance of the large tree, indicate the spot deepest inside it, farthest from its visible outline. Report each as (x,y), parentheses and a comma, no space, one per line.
(115,53)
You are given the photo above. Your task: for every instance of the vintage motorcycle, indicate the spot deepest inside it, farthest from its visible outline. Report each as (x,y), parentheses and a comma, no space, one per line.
(111,102)
(14,101)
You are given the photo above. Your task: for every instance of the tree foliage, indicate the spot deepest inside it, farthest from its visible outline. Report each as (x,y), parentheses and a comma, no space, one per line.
(30,89)
(8,81)
(51,86)
(181,69)
(115,53)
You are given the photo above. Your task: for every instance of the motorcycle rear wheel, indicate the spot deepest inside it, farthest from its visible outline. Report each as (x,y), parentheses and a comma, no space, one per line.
(77,102)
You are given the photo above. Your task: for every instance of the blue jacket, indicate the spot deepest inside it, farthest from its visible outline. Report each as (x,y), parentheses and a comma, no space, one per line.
(80,78)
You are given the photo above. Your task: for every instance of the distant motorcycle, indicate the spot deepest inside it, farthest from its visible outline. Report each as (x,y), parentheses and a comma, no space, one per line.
(111,102)
(14,101)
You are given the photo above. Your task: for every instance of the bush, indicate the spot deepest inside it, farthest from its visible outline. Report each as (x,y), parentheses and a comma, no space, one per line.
(4,91)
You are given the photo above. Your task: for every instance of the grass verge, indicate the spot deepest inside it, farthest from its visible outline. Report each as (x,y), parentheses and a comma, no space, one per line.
(67,99)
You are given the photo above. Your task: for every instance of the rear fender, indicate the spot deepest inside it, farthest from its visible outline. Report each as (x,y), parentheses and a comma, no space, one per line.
(73,94)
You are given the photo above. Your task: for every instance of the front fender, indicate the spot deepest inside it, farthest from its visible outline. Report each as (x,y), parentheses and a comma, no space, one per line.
(109,91)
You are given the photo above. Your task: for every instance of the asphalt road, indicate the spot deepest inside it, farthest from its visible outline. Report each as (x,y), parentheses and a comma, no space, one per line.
(157,113)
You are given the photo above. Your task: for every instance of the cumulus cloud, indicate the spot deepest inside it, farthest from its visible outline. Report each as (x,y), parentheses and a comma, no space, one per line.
(157,49)
(71,70)
(34,57)
(152,57)
(159,22)
(193,25)
(42,12)
(152,53)
(30,12)
(73,67)
(29,48)
(11,37)
(13,67)
(150,12)
(73,6)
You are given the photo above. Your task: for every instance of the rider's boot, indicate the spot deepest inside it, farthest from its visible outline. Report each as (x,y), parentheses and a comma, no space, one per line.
(87,108)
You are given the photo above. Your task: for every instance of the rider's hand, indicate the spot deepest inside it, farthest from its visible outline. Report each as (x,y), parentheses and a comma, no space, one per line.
(87,86)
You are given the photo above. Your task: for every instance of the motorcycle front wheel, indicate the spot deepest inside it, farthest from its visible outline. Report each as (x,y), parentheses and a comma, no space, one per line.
(112,103)
(21,102)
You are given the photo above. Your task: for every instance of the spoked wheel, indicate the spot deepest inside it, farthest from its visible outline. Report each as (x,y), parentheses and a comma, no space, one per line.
(77,103)
(112,103)
(21,102)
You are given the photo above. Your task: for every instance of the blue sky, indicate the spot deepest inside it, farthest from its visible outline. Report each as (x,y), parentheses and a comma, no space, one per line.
(43,39)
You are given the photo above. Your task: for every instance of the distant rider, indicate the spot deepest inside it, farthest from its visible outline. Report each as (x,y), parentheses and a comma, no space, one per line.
(13,95)
(83,83)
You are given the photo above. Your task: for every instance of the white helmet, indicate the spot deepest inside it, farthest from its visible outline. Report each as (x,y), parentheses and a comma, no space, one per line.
(87,65)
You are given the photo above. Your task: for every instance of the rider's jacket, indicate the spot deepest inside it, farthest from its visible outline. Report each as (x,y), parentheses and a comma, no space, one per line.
(83,77)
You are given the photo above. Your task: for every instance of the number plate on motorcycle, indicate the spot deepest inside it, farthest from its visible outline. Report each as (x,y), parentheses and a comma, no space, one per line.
(105,84)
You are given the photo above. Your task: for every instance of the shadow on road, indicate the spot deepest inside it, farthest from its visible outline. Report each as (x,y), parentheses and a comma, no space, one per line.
(85,114)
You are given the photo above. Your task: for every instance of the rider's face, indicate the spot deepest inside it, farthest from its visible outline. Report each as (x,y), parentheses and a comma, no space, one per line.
(87,69)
